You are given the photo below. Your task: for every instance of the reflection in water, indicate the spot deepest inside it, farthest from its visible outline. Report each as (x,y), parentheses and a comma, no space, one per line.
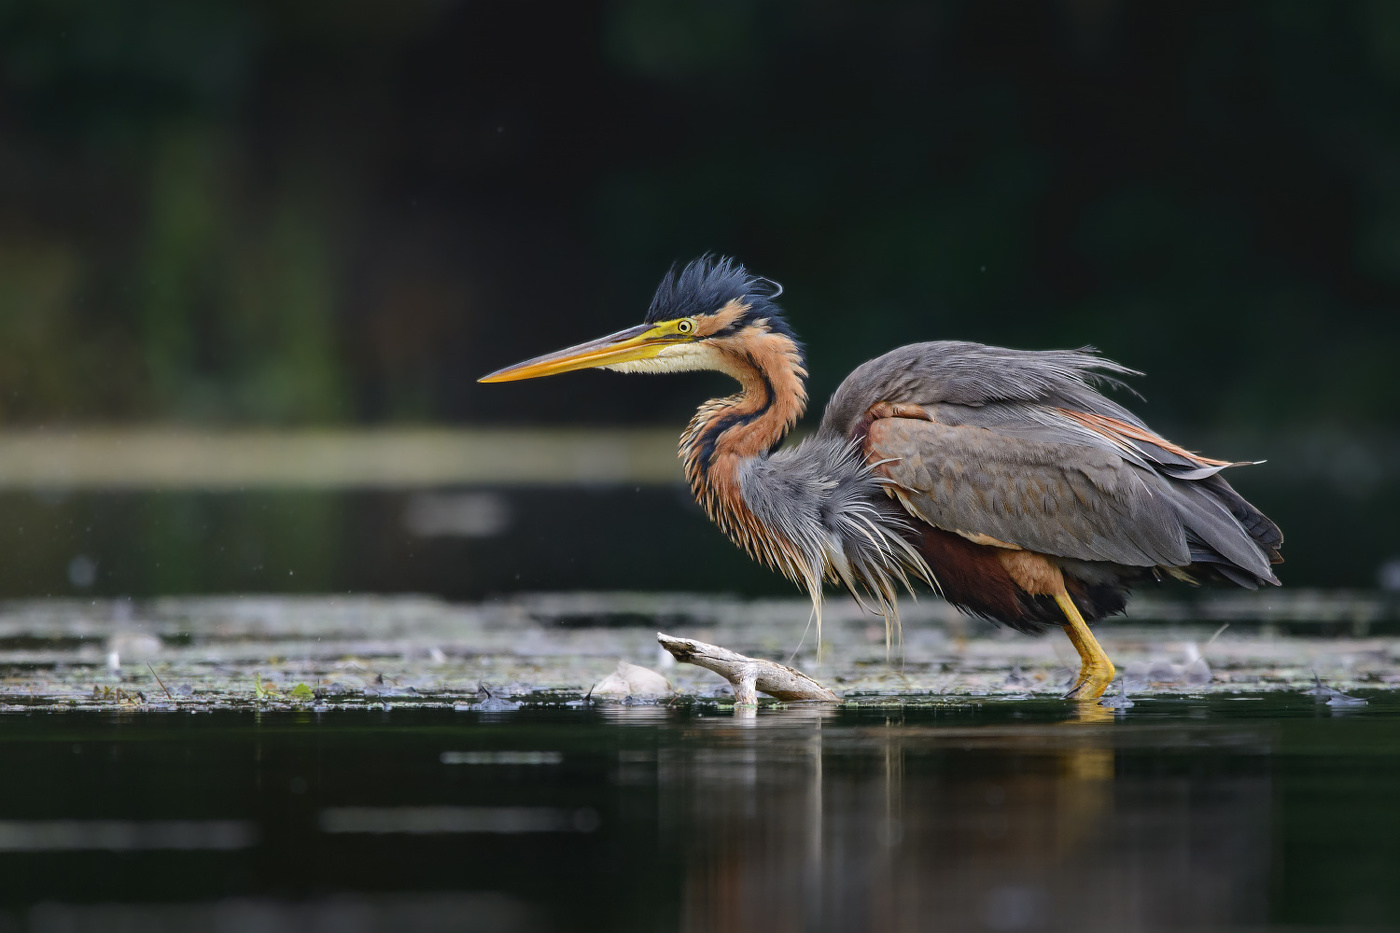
(903,827)
(954,814)
(125,835)
(363,913)
(627,714)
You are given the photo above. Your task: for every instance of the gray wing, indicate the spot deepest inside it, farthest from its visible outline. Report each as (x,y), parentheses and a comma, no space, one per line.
(1022,449)
(973,374)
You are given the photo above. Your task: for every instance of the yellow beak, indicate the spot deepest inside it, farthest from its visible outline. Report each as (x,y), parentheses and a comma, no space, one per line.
(635,343)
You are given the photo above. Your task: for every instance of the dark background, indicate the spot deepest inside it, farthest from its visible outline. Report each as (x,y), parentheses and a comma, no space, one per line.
(315,213)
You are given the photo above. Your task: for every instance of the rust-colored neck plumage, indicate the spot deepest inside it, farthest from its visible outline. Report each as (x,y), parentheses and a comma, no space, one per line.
(726,432)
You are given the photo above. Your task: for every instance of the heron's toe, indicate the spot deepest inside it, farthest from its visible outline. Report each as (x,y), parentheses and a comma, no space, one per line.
(1093,680)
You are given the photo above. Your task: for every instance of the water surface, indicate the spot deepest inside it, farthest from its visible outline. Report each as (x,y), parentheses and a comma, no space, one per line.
(1217,812)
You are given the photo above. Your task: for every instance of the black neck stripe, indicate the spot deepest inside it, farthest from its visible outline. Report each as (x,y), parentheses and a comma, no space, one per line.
(709,437)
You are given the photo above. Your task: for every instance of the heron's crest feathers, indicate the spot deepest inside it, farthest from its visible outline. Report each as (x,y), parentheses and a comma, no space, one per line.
(705,285)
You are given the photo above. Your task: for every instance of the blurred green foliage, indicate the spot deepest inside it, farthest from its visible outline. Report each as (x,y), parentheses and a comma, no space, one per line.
(152,265)
(317,212)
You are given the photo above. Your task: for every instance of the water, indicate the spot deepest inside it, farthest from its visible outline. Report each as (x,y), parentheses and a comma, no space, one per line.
(1228,811)
(368,763)
(474,542)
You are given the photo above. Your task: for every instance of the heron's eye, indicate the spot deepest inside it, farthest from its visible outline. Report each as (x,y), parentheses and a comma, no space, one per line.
(685,326)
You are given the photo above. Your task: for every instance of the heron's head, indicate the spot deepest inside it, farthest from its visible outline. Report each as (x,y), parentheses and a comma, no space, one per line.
(710,315)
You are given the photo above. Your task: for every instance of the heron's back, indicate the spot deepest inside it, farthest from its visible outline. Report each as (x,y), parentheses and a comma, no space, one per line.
(1017,449)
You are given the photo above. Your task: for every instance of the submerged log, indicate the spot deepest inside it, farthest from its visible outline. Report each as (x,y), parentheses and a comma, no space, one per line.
(747,674)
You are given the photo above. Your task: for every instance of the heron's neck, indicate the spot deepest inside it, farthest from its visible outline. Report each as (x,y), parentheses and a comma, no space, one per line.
(727,432)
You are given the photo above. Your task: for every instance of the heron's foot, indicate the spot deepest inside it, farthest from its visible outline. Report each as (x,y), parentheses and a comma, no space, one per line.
(1095,675)
(1095,669)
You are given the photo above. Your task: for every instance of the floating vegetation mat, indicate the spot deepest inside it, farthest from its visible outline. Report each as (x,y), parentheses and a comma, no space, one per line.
(256,652)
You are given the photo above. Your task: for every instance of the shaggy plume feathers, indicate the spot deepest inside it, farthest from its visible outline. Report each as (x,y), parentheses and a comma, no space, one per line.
(822,513)
(709,283)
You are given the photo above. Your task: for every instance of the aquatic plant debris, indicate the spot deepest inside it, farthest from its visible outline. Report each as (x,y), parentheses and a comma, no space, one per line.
(747,674)
(1120,699)
(1341,699)
(366,652)
(1334,696)
(632,680)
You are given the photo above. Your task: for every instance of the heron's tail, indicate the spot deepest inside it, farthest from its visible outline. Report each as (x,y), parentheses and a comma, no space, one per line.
(1227,536)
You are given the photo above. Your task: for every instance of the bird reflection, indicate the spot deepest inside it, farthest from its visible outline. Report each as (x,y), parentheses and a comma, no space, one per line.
(796,820)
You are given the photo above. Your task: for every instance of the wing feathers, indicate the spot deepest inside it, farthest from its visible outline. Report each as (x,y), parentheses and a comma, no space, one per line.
(1090,502)
(1022,448)
(964,373)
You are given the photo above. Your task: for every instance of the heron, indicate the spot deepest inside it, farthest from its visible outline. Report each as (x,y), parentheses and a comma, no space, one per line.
(1003,479)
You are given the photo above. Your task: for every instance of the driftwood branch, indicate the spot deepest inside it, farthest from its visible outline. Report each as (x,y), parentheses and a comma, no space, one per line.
(747,674)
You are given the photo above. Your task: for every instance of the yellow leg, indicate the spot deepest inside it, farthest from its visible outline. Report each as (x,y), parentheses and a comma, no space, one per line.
(1095,669)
